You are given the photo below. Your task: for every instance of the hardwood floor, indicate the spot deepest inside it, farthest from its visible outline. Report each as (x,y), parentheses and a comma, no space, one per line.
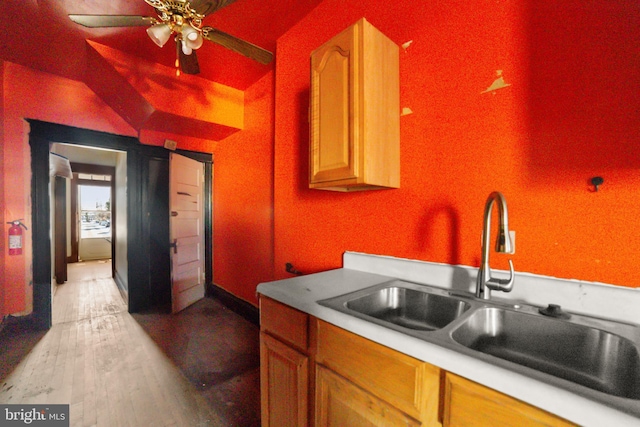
(88,293)
(197,368)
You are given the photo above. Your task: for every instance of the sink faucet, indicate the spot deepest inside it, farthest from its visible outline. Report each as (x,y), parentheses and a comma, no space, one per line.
(485,282)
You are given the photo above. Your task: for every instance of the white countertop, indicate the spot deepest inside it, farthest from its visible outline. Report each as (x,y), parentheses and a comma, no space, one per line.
(303,292)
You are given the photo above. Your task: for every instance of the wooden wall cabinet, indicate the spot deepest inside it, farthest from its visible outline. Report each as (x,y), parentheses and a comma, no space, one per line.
(355,112)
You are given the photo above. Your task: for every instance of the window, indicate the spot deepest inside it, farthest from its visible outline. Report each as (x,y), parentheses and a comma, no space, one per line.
(95,211)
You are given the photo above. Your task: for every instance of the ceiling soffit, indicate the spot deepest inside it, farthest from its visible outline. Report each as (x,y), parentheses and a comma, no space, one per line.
(149,96)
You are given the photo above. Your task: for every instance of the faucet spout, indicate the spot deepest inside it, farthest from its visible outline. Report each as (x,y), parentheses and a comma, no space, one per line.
(485,282)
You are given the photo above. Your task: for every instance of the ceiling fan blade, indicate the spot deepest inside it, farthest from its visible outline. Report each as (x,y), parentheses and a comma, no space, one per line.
(206,7)
(97,21)
(237,45)
(188,63)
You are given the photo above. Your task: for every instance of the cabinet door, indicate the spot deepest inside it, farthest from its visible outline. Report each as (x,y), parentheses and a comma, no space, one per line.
(341,403)
(408,384)
(284,377)
(470,404)
(333,152)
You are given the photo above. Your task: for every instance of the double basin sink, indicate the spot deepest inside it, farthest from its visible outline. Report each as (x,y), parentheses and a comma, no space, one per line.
(593,357)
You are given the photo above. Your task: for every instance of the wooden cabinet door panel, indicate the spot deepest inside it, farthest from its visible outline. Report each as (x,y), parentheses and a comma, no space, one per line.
(284,378)
(332,110)
(341,403)
(407,383)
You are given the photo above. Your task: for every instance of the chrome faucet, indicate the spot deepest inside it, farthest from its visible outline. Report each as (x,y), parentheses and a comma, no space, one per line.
(485,282)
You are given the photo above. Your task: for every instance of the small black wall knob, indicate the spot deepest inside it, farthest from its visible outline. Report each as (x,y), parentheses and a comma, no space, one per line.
(597,181)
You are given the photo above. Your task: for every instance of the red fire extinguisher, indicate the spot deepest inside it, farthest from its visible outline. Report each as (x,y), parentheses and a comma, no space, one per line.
(15,237)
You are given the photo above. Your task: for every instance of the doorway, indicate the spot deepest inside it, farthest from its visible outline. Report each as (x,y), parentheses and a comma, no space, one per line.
(146,191)
(91,212)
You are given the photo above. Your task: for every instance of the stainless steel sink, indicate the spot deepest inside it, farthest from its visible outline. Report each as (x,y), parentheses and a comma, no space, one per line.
(401,305)
(588,356)
(409,308)
(596,358)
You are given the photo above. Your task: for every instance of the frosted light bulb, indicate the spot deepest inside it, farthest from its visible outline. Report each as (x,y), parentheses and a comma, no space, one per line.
(192,37)
(195,43)
(185,48)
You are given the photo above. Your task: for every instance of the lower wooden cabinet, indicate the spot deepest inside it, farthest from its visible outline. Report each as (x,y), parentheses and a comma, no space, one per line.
(285,364)
(469,404)
(406,384)
(315,374)
(339,402)
(284,384)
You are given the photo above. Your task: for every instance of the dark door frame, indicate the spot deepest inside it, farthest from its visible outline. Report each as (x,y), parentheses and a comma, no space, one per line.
(41,136)
(60,229)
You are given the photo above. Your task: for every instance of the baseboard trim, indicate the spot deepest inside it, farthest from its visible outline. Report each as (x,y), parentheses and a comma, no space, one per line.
(122,287)
(232,302)
(16,325)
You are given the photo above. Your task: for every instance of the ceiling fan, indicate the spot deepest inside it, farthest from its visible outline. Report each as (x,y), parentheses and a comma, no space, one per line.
(184,19)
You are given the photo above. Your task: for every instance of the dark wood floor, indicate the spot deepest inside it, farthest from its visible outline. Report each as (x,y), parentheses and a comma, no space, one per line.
(197,368)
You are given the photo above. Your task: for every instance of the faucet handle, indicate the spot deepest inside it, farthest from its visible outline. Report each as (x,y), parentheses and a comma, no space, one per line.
(504,285)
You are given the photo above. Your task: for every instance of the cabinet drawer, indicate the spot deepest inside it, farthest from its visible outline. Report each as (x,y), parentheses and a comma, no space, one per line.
(284,322)
(406,383)
(470,404)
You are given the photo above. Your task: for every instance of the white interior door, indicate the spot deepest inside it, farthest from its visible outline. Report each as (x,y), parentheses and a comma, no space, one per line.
(186,187)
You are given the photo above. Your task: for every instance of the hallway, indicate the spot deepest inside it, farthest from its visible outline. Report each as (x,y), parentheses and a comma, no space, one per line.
(197,368)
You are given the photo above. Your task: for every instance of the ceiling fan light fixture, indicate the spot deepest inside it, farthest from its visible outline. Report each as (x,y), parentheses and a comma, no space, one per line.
(179,17)
(160,33)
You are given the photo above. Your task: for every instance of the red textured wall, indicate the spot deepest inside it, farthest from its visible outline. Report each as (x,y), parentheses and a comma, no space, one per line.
(37,95)
(571,113)
(3,239)
(243,198)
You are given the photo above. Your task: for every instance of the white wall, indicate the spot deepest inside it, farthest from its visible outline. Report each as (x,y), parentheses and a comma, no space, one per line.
(121,263)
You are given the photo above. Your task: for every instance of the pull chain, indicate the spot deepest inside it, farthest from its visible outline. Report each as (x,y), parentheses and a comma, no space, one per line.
(177,57)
